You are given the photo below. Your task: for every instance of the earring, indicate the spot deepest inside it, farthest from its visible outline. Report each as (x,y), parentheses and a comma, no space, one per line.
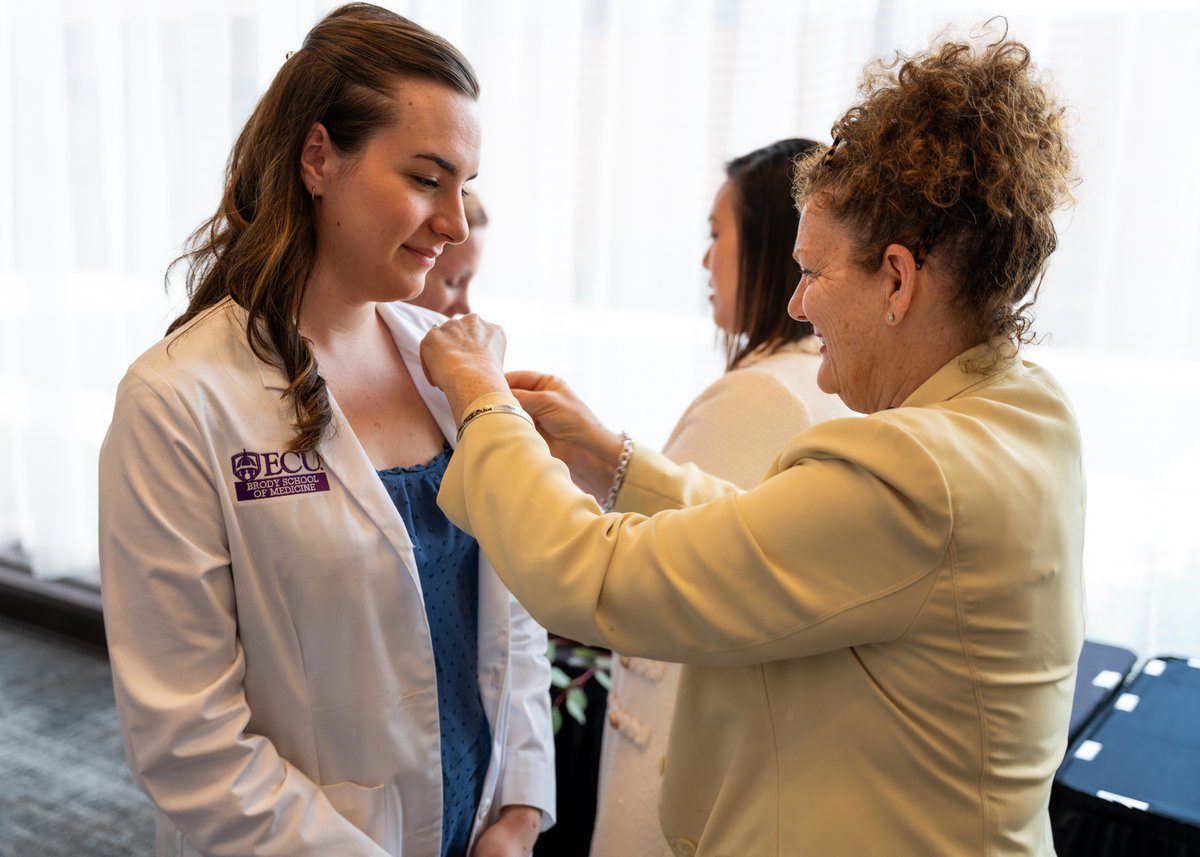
(314,193)
(891,317)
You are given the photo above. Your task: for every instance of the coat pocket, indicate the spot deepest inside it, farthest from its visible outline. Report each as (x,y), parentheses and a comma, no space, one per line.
(372,809)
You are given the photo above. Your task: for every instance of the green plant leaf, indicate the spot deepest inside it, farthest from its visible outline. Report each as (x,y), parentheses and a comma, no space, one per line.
(556,720)
(576,703)
(603,679)
(558,678)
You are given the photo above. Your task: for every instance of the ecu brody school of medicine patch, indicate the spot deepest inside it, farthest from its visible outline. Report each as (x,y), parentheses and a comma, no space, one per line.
(259,475)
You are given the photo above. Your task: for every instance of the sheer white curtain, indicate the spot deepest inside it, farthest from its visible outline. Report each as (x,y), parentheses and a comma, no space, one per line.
(606,123)
(117,120)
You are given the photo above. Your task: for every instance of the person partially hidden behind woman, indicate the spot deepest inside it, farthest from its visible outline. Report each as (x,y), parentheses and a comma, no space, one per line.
(447,282)
(308,657)
(733,430)
(880,639)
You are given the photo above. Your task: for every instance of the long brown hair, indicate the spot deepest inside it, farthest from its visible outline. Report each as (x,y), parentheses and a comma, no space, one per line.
(259,247)
(767,220)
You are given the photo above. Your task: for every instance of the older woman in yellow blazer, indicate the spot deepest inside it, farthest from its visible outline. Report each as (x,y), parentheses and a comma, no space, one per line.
(880,640)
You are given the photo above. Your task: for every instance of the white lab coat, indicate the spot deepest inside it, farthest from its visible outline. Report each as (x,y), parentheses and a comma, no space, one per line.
(271,655)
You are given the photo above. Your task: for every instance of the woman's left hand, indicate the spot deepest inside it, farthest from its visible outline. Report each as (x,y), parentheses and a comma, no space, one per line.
(513,834)
(464,358)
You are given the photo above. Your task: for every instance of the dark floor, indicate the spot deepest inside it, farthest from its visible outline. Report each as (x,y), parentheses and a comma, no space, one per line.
(64,785)
(65,790)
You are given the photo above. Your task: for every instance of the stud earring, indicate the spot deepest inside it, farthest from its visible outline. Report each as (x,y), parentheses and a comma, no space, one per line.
(891,317)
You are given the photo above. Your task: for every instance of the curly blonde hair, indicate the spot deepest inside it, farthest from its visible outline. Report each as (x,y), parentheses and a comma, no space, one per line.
(958,151)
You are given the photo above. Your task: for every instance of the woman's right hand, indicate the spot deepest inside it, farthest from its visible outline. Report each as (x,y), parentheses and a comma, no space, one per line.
(570,429)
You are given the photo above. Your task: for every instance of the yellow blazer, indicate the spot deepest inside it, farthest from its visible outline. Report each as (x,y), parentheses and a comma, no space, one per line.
(881,637)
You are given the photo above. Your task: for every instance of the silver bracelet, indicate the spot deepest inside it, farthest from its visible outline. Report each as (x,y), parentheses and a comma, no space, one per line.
(491,409)
(610,501)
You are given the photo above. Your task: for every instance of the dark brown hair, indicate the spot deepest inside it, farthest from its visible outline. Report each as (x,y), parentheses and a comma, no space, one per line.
(958,152)
(767,219)
(259,247)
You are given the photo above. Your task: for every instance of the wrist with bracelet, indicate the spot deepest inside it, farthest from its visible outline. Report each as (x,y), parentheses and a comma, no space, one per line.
(501,408)
(618,480)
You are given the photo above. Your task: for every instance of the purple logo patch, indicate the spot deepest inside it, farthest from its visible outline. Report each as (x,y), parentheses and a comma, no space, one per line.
(260,475)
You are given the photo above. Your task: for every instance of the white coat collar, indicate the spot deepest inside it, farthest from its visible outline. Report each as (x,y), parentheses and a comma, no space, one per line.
(408,325)
(805,345)
(341,452)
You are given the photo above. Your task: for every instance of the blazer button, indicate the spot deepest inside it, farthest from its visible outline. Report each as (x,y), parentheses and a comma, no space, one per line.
(684,848)
(613,720)
(662,764)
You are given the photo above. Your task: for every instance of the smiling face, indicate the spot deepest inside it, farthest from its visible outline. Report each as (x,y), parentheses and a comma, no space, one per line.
(446,285)
(384,214)
(847,308)
(721,258)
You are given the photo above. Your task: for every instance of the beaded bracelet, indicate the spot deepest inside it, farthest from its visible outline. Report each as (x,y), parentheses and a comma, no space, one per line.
(491,409)
(619,476)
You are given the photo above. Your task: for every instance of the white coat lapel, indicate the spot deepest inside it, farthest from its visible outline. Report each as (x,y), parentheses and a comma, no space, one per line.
(408,326)
(348,461)
(344,457)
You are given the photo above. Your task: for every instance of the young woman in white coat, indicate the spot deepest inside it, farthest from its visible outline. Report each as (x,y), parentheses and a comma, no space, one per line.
(733,430)
(308,657)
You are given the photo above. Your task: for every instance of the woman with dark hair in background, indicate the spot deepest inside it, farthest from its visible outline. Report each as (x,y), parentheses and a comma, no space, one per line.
(733,430)
(308,657)
(880,639)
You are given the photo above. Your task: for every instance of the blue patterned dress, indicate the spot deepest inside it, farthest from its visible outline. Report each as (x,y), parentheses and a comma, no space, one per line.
(448,565)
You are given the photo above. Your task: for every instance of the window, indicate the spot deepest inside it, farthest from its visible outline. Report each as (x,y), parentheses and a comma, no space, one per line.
(606,124)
